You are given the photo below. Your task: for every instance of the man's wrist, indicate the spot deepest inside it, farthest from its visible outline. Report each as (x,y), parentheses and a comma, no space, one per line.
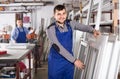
(74,60)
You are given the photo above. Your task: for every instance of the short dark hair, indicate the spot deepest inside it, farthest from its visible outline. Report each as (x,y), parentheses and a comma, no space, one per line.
(19,19)
(59,7)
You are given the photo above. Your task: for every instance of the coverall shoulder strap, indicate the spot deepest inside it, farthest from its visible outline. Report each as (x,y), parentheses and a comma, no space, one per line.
(52,24)
(68,22)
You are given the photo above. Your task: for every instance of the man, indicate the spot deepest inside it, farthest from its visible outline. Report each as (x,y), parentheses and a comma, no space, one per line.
(19,33)
(19,36)
(60,33)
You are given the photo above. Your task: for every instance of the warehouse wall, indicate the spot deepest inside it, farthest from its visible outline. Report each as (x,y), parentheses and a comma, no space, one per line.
(7,20)
(46,13)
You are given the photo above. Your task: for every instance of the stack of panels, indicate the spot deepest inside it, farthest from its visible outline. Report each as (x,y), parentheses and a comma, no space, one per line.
(101,57)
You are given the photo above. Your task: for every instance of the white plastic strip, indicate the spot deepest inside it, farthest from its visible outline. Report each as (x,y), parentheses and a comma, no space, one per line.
(98,19)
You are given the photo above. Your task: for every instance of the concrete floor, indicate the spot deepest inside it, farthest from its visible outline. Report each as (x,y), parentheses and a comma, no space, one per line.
(42,72)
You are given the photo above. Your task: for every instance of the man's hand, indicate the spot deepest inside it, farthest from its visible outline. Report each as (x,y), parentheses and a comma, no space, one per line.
(79,64)
(96,33)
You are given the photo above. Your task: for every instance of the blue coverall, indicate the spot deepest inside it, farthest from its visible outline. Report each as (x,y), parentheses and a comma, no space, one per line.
(58,66)
(21,36)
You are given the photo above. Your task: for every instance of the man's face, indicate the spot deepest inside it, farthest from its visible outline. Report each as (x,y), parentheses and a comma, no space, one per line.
(60,16)
(19,23)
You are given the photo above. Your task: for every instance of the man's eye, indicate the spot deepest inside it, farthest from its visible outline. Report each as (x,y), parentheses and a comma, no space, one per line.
(64,13)
(58,14)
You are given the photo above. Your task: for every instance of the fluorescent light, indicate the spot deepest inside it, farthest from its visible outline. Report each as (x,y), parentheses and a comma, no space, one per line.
(11,4)
(21,4)
(32,4)
(19,11)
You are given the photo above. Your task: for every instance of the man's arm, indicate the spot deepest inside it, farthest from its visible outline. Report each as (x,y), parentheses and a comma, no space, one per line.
(53,39)
(26,30)
(13,36)
(78,26)
(85,28)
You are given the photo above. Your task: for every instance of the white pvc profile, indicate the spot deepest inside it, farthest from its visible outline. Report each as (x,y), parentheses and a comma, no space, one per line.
(101,45)
(92,63)
(114,62)
(78,74)
(104,65)
(119,30)
(99,13)
(88,16)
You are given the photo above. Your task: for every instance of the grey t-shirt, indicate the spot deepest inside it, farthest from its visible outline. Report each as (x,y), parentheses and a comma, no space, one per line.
(53,39)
